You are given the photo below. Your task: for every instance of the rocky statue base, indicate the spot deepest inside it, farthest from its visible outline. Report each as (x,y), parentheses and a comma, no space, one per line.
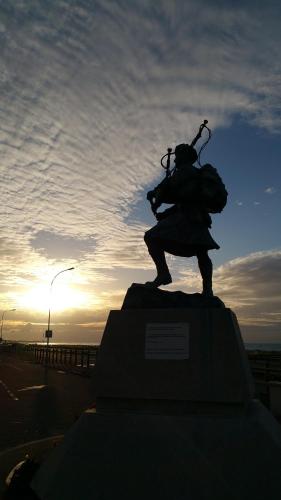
(143,297)
(175,416)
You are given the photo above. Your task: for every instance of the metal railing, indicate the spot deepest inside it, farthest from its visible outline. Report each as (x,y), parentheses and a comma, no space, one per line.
(75,358)
(265,365)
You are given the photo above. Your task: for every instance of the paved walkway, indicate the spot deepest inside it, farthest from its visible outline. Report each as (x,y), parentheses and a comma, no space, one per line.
(37,402)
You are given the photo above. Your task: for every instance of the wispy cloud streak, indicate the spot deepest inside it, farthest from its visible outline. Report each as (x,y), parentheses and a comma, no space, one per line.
(92,92)
(249,285)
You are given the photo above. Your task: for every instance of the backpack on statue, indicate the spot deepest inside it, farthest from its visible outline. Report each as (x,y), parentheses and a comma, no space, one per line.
(213,192)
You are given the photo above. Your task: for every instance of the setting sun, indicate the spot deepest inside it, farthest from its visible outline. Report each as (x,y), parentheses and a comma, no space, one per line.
(61,297)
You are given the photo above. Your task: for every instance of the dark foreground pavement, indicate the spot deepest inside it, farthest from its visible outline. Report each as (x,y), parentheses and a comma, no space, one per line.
(38,402)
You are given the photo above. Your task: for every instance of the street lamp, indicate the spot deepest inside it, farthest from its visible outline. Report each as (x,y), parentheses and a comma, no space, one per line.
(48,331)
(7,310)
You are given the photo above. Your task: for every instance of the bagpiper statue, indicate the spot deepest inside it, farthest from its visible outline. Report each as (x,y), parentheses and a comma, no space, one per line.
(183,228)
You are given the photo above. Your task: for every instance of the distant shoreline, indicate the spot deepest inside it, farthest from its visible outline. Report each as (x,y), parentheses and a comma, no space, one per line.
(249,346)
(53,344)
(269,346)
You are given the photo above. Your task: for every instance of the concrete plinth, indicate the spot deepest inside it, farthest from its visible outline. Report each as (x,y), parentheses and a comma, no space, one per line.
(189,355)
(158,457)
(175,417)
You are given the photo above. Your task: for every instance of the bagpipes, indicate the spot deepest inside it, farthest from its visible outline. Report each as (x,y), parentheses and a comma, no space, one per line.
(195,140)
(152,195)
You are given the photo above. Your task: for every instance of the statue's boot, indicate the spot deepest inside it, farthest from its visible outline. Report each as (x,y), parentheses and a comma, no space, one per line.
(163,275)
(161,279)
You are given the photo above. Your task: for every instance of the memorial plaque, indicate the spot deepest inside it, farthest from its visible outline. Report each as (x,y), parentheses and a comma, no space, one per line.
(167,341)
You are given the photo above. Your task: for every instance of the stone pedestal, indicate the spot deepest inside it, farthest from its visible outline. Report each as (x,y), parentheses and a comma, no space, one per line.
(133,456)
(191,356)
(175,418)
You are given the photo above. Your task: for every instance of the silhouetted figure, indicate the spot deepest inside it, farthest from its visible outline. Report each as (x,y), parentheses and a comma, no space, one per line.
(183,229)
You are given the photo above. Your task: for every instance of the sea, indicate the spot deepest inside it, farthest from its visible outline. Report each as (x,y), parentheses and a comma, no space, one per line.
(270,346)
(54,344)
(249,346)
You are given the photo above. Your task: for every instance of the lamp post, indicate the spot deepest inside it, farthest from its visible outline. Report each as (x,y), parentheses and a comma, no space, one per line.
(3,313)
(48,331)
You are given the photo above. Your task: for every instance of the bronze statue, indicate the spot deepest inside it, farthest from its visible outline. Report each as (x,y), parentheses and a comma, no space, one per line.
(183,228)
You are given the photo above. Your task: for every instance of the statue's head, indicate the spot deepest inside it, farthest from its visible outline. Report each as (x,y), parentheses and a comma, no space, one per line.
(185,154)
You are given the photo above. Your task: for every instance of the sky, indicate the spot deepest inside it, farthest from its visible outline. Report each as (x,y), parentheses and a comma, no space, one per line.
(92,94)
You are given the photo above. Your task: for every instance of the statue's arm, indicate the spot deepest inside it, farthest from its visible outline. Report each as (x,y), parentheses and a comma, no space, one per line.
(169,211)
(159,195)
(154,197)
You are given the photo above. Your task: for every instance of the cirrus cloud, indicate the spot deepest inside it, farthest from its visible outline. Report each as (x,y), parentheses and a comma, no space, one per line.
(249,285)
(91,92)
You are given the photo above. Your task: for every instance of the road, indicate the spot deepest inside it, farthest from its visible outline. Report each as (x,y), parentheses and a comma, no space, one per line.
(37,402)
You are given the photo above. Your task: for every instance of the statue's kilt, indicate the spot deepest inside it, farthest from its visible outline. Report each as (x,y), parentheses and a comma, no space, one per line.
(182,234)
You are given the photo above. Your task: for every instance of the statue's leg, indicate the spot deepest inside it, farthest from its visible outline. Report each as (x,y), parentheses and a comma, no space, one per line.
(158,256)
(206,270)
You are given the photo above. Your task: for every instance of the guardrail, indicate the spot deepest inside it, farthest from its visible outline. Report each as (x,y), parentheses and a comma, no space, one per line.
(76,358)
(265,365)
(266,369)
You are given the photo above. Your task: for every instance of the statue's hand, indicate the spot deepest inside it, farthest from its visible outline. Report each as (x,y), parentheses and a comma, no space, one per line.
(159,215)
(150,196)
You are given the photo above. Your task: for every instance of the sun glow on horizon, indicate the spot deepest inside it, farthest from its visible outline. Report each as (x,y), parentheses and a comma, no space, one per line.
(61,297)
